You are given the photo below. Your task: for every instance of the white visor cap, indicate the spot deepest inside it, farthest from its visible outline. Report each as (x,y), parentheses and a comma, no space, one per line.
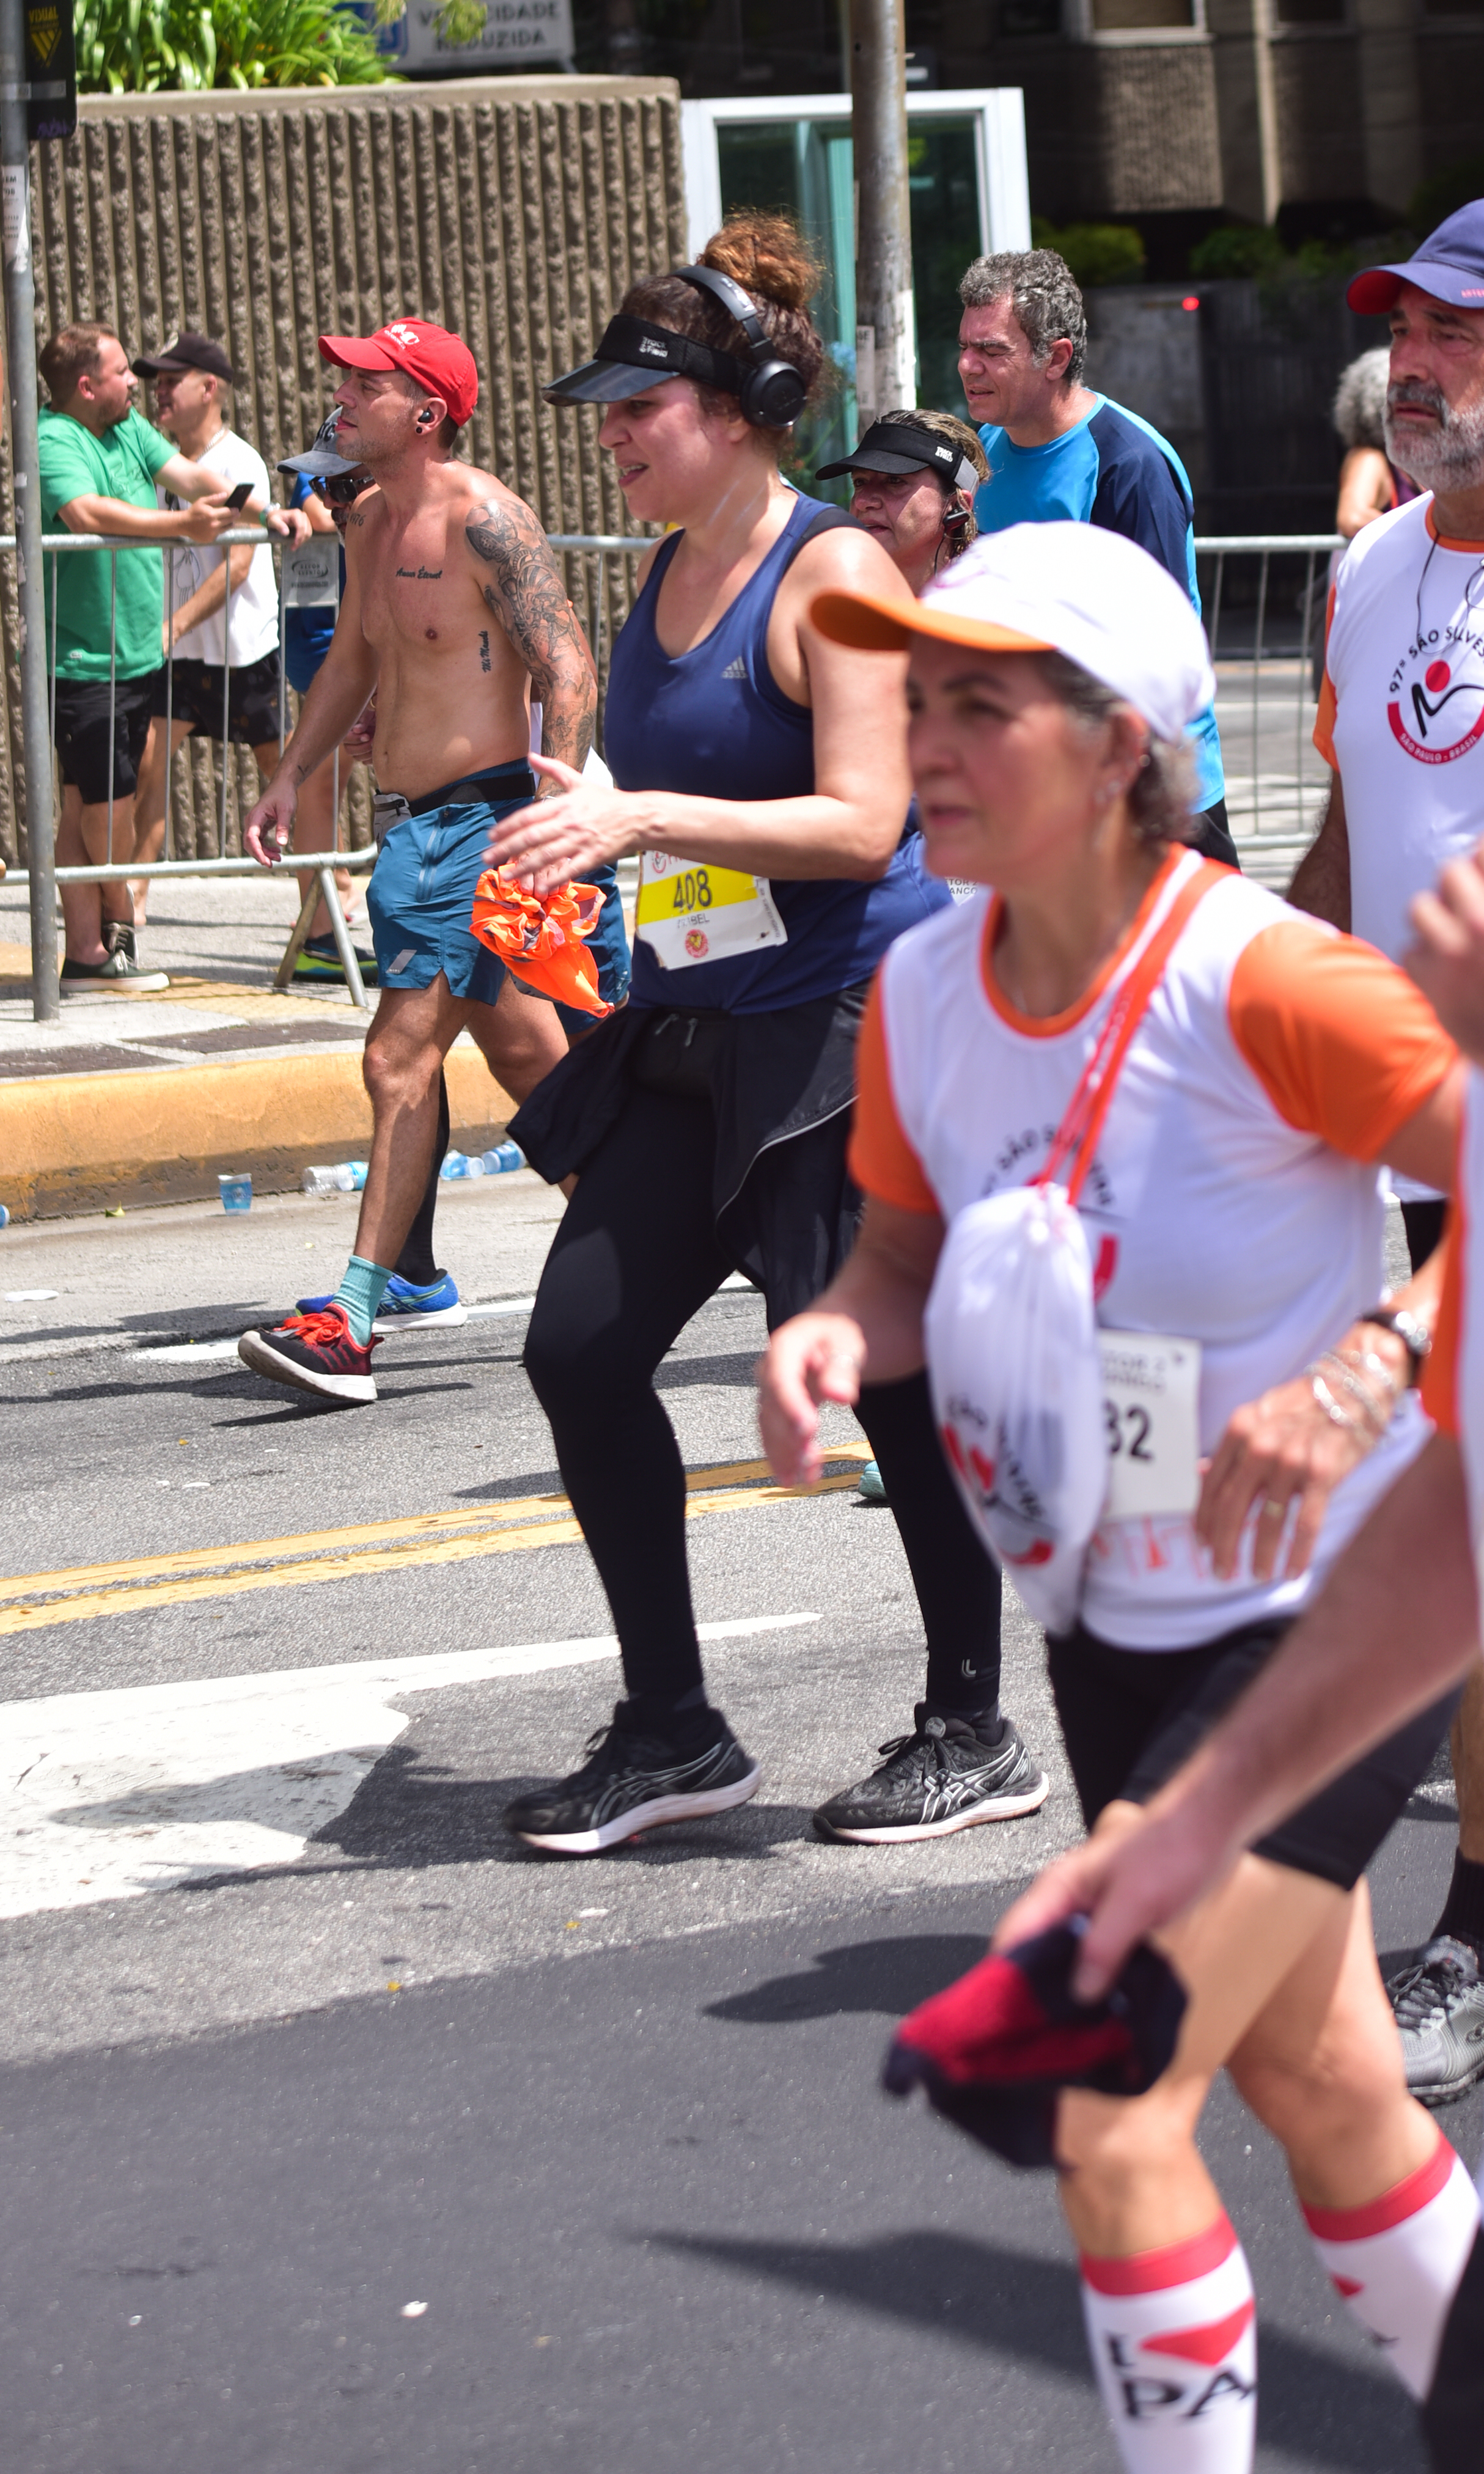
(1064,588)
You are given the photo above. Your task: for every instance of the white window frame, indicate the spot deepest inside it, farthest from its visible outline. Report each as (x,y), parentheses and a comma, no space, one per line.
(999,120)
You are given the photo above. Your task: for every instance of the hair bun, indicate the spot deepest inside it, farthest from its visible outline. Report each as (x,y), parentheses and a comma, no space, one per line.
(766,255)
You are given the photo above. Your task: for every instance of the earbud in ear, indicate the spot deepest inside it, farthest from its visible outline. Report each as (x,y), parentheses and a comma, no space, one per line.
(425,419)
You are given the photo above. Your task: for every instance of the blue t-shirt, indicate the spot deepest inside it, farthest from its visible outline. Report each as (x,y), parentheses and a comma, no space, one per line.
(307,633)
(1112,470)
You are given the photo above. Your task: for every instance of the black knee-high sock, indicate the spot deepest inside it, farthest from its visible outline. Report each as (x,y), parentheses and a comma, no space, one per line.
(957,1581)
(415,1263)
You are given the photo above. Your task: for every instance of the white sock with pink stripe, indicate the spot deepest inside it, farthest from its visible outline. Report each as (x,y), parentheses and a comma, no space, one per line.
(1175,2349)
(1397,2260)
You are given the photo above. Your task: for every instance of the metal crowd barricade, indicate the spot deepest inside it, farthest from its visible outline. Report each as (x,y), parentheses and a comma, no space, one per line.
(1264,598)
(321,866)
(1265,705)
(1264,627)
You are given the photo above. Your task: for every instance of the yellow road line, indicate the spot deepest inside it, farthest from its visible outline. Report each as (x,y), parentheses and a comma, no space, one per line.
(321,1541)
(331,1566)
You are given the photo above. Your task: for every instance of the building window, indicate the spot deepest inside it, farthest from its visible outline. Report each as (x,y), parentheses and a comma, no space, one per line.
(1311,13)
(1137,16)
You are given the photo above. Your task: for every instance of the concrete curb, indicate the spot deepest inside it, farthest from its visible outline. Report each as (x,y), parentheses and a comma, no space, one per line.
(89,1141)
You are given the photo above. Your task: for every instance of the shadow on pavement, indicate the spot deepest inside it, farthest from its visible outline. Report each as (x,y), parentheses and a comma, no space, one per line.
(412,1813)
(885,1977)
(1314,2406)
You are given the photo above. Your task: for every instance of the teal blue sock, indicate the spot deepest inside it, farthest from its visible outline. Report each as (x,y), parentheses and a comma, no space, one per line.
(361,1293)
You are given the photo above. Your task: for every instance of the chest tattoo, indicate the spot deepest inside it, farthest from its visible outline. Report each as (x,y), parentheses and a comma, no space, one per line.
(421,574)
(484,649)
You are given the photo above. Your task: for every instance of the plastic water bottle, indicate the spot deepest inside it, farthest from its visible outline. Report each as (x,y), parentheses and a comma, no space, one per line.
(324,1181)
(359,1170)
(502,1159)
(456,1164)
(5,1216)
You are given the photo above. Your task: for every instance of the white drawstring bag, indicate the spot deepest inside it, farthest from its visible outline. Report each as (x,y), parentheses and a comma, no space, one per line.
(1013,1357)
(1010,1333)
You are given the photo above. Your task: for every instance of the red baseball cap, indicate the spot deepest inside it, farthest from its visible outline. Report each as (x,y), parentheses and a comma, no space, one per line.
(431,357)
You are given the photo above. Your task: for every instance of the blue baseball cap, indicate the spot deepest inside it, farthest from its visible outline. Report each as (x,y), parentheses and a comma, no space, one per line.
(1450,265)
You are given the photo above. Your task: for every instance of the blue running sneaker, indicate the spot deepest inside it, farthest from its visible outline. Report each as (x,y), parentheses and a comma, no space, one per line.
(404,1305)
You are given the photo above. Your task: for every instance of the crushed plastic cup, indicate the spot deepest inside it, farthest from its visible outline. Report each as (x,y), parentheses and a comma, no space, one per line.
(5,1216)
(457,1164)
(505,1157)
(235,1191)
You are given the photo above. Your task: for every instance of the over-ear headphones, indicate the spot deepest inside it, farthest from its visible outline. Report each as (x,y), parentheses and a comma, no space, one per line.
(773,391)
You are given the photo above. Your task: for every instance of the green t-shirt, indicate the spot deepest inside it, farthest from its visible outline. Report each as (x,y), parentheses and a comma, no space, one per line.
(121,464)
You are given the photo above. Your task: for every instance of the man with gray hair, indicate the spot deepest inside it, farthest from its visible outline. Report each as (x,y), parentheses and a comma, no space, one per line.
(1401,725)
(1059,453)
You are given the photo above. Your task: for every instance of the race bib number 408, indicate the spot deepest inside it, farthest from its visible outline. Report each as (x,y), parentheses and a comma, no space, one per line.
(689,914)
(1151,1400)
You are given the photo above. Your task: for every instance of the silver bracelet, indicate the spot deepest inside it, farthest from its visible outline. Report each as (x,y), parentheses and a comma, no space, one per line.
(1360,1390)
(1327,1401)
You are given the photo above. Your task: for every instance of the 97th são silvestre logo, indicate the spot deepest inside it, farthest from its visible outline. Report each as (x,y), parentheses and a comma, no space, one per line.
(1435,695)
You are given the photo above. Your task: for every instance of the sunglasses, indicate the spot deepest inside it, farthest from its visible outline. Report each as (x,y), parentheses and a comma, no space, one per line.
(341,489)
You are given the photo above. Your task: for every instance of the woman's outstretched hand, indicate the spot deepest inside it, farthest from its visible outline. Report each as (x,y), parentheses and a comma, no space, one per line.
(575,826)
(813,1358)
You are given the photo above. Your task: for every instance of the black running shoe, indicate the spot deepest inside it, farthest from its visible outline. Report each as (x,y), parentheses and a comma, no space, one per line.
(630,1782)
(1439,2007)
(316,1353)
(940,1777)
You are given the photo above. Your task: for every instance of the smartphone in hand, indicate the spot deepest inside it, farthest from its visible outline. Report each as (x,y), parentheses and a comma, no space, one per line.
(239,497)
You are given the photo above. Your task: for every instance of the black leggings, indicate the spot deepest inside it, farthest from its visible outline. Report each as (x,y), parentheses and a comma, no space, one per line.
(635,1257)
(415,1263)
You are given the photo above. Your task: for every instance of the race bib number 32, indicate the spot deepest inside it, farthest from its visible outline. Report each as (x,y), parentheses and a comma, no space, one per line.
(689,914)
(1150,1398)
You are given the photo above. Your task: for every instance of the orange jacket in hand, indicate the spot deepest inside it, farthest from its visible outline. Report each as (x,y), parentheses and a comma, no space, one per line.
(541,938)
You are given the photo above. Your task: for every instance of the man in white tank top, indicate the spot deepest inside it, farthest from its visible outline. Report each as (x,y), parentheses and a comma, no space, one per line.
(1402,722)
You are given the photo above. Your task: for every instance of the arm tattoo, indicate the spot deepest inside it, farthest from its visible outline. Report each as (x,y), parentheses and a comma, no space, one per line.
(525,592)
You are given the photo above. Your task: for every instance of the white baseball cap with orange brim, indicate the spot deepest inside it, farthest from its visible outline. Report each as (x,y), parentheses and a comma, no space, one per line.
(1060,588)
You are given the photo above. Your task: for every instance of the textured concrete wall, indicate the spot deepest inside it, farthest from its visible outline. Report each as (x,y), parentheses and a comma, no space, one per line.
(515,212)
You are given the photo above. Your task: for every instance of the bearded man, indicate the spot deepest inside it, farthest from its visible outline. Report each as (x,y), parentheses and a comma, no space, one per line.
(1402,722)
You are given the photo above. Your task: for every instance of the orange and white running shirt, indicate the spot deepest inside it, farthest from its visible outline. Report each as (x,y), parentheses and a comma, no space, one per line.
(1401,716)
(1230,1201)
(1453,1377)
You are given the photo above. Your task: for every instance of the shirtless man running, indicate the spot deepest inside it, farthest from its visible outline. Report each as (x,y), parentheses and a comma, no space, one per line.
(454,614)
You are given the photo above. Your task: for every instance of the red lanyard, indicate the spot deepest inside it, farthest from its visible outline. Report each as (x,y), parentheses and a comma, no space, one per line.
(1088,1107)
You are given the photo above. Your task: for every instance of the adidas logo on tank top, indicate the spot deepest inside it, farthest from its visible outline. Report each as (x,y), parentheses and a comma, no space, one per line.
(737,669)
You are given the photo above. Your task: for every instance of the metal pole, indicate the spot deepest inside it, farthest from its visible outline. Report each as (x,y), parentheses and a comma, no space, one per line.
(886,327)
(20,306)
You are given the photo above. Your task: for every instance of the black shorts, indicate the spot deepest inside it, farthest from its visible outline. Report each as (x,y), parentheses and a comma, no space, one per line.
(1132,1716)
(253,700)
(81,734)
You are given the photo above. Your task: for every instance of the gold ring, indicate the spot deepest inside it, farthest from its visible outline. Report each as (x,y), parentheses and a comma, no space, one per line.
(1272,1510)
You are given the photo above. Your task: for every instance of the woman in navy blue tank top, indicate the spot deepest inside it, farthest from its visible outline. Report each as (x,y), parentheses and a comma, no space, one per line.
(761,777)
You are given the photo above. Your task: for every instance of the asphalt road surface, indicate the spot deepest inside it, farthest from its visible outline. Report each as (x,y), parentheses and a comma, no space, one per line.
(338,2130)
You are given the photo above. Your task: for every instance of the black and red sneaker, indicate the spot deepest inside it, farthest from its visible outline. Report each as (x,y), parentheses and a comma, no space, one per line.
(316,1353)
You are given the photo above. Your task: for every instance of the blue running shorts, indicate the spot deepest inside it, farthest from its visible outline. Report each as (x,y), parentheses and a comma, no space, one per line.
(421,897)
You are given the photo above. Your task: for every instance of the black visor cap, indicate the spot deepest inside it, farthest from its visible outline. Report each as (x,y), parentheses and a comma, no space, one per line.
(632,354)
(889,447)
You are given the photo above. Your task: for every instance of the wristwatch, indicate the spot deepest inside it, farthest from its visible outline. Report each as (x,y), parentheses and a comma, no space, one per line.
(1410,1329)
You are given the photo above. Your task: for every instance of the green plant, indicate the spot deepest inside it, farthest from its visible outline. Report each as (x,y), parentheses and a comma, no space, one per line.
(148,46)
(1238,250)
(152,47)
(1096,252)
